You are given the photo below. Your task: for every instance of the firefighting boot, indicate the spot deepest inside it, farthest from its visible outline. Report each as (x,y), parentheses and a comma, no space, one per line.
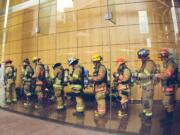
(60,104)
(14,100)
(142,114)
(8,101)
(97,114)
(121,114)
(123,111)
(61,108)
(39,104)
(27,102)
(148,114)
(79,114)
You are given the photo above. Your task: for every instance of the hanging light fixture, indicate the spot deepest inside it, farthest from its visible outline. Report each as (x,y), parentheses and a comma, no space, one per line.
(38,18)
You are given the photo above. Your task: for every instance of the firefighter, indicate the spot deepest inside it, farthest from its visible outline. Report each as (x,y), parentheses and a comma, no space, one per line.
(168,78)
(10,76)
(145,75)
(27,74)
(39,76)
(48,86)
(76,80)
(58,80)
(122,80)
(2,87)
(100,84)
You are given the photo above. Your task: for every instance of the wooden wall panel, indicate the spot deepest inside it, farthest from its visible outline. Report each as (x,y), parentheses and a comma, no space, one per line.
(15,20)
(86,53)
(119,35)
(28,29)
(14,33)
(47,57)
(81,4)
(89,18)
(62,55)
(66,40)
(29,45)
(66,21)
(7,49)
(48,11)
(106,53)
(15,47)
(47,42)
(90,37)
(48,25)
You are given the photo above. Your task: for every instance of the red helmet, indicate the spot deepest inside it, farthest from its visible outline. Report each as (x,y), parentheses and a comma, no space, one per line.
(164,53)
(8,61)
(120,61)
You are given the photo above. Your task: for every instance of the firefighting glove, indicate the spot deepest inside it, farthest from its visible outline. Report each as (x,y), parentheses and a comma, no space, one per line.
(135,74)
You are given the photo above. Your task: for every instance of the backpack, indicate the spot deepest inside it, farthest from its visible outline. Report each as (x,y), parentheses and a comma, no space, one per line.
(86,80)
(13,74)
(131,80)
(41,76)
(108,77)
(82,76)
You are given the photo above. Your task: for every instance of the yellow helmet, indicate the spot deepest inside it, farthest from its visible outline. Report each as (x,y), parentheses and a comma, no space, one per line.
(96,57)
(36,59)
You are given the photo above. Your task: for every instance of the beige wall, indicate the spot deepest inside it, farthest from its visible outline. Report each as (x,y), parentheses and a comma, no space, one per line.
(82,31)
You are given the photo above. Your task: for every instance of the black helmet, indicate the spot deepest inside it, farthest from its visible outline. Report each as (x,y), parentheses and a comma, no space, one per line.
(72,60)
(26,60)
(143,53)
(56,65)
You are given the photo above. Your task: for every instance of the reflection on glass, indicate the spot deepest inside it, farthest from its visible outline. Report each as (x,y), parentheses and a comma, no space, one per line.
(15,2)
(175,23)
(148,40)
(62,4)
(143,22)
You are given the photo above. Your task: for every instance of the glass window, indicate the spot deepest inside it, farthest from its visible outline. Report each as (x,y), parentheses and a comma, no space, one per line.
(112,32)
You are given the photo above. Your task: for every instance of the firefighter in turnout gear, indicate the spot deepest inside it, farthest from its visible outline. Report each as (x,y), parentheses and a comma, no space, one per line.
(168,78)
(48,85)
(76,83)
(58,80)
(10,77)
(39,76)
(145,76)
(100,84)
(27,73)
(121,82)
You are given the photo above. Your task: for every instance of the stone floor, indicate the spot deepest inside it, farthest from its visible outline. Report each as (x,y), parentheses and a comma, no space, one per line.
(131,125)
(14,124)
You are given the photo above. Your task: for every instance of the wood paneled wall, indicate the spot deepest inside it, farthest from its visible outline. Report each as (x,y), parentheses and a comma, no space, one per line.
(82,31)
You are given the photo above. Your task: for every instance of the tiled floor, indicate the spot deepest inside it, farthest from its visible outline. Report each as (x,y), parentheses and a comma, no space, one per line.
(14,124)
(130,125)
